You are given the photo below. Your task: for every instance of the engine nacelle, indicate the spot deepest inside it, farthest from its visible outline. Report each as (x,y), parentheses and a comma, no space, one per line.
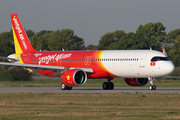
(74,77)
(136,81)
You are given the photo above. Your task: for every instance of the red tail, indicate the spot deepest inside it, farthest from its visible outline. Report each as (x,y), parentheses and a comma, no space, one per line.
(21,40)
(163,49)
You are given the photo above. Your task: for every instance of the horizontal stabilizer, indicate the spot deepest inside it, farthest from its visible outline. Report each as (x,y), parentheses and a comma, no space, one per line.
(6,58)
(9,59)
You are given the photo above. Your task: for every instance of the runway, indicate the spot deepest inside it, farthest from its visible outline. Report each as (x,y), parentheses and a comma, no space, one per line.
(170,90)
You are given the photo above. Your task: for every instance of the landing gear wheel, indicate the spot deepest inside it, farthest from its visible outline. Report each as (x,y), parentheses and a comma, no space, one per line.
(69,87)
(152,87)
(105,86)
(108,86)
(63,86)
(111,86)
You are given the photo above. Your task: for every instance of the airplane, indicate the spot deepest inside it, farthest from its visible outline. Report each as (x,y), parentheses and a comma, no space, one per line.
(137,67)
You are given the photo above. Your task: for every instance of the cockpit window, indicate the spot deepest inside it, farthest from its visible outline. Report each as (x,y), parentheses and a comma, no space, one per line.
(160,59)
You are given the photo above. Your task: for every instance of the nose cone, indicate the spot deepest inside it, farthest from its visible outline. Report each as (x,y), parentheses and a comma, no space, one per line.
(169,68)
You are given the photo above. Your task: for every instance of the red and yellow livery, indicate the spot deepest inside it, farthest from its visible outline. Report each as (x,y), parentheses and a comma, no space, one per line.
(75,67)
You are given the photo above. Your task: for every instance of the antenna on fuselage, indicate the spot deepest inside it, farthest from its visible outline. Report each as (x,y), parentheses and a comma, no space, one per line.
(62,49)
(150,48)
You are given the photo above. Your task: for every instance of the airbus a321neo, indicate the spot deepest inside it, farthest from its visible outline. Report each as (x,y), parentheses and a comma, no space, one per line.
(137,67)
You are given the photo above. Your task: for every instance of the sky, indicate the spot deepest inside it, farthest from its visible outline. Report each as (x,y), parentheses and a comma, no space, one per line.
(90,19)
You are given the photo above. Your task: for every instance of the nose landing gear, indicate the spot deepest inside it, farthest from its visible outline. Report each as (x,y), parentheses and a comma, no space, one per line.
(152,86)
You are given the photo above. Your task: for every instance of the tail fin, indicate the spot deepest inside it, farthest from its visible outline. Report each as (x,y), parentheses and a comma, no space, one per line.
(164,51)
(21,40)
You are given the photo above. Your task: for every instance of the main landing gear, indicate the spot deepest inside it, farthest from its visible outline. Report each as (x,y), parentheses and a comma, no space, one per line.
(64,87)
(108,85)
(152,86)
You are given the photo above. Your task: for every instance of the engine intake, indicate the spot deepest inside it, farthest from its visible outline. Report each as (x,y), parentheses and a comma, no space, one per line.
(136,81)
(74,77)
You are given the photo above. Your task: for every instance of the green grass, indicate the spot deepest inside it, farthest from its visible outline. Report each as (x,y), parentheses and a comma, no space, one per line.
(56,82)
(89,106)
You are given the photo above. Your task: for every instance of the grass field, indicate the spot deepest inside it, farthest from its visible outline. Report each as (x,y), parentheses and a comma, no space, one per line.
(85,106)
(56,82)
(88,106)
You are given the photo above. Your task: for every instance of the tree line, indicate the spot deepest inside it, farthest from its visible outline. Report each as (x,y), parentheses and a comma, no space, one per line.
(152,35)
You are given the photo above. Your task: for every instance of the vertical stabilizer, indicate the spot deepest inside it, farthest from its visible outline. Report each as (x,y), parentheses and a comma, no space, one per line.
(164,51)
(21,40)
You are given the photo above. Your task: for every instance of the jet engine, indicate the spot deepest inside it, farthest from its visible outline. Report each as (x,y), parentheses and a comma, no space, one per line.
(74,77)
(136,81)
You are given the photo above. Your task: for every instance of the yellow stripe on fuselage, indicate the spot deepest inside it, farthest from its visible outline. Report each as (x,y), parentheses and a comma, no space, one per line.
(99,56)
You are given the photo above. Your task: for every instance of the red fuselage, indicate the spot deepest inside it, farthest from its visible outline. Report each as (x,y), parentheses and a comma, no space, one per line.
(78,59)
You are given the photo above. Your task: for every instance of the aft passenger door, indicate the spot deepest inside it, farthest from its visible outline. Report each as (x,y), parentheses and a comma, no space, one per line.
(26,58)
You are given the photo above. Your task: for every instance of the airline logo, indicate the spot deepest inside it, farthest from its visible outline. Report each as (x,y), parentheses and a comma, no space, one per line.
(20,32)
(48,58)
(152,63)
(68,79)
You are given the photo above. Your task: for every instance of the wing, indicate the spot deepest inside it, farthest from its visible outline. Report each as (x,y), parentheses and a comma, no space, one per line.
(36,68)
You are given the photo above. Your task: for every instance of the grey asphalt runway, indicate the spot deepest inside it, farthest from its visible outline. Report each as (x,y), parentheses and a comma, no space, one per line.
(89,90)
